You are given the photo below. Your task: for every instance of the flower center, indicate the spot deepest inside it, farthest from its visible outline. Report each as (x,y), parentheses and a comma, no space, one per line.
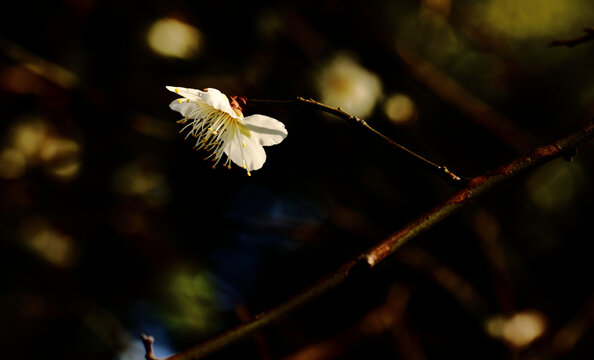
(235,101)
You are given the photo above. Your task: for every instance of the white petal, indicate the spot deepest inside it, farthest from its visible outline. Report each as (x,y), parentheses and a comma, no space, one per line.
(265,130)
(188,93)
(253,153)
(218,100)
(184,107)
(211,97)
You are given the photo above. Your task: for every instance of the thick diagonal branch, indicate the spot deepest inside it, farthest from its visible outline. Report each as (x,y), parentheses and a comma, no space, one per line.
(566,146)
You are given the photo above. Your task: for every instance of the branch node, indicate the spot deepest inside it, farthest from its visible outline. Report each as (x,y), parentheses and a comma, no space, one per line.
(148,341)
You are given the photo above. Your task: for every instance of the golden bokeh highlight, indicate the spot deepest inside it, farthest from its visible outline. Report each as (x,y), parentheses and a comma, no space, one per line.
(523,328)
(12,164)
(48,243)
(61,157)
(27,136)
(345,83)
(400,109)
(519,330)
(34,143)
(173,38)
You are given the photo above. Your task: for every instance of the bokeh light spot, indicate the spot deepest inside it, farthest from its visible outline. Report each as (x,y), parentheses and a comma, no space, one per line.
(523,328)
(49,243)
(12,164)
(28,136)
(520,329)
(346,84)
(400,109)
(60,157)
(173,38)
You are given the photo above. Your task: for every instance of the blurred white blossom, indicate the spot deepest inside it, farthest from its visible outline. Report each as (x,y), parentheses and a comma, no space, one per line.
(346,84)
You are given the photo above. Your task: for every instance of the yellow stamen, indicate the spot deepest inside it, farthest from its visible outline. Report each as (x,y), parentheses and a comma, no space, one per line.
(229,166)
(249,173)
(176,90)
(187,100)
(179,101)
(243,144)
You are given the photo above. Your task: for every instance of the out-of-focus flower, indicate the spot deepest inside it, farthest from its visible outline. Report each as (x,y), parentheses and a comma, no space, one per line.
(35,143)
(346,84)
(173,38)
(520,329)
(220,128)
(400,109)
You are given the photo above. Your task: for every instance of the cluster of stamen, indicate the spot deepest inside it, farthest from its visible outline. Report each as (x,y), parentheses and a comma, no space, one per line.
(212,129)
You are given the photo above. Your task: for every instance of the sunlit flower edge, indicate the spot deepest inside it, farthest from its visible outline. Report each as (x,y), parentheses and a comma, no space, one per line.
(220,128)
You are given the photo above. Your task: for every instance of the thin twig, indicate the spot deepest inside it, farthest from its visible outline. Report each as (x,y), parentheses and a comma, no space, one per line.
(575,41)
(369,259)
(439,170)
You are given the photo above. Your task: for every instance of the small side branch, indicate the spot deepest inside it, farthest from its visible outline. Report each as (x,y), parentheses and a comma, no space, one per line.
(441,171)
(476,186)
(148,341)
(575,41)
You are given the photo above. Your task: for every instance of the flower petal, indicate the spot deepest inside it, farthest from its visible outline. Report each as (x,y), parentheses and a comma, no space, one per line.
(218,100)
(189,93)
(184,107)
(252,153)
(211,97)
(265,130)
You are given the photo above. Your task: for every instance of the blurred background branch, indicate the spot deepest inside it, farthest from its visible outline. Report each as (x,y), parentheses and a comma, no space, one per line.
(575,41)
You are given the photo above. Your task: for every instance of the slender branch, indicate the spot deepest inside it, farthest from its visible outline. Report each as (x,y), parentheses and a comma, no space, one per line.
(575,41)
(439,170)
(476,186)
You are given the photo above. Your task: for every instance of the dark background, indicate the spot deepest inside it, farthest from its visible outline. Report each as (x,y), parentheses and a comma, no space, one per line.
(112,226)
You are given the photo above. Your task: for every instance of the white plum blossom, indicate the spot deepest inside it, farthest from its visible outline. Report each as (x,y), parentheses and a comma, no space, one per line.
(220,128)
